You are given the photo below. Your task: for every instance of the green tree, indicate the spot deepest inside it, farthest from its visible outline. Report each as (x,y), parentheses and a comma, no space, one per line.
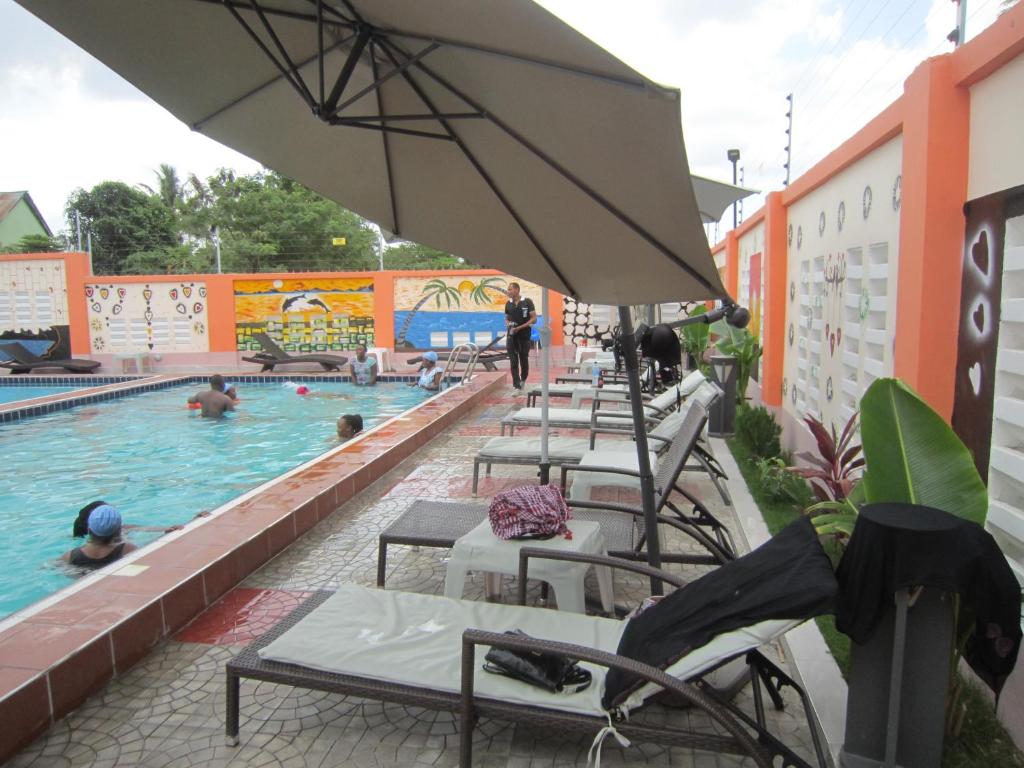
(122,221)
(416,256)
(35,244)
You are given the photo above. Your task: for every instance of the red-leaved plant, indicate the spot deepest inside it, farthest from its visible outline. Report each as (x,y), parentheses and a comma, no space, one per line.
(836,469)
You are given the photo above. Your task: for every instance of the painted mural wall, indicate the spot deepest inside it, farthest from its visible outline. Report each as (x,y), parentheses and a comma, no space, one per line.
(148,317)
(305,314)
(34,303)
(842,242)
(443,311)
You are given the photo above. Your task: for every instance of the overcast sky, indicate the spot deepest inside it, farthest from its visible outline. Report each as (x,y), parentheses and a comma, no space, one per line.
(66,121)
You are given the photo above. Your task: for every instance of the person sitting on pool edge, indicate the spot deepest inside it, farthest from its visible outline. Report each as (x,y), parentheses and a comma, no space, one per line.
(81,525)
(430,373)
(363,368)
(213,400)
(104,545)
(349,425)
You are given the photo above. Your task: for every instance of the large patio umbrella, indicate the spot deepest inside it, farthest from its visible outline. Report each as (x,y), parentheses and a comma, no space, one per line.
(486,128)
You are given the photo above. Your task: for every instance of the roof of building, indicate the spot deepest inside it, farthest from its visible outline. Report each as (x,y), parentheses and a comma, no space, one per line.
(8,201)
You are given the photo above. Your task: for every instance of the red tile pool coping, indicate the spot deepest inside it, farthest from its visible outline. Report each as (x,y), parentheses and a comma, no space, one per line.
(57,653)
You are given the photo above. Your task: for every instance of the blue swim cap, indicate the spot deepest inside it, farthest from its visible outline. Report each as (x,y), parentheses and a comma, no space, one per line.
(104,521)
(227,386)
(431,356)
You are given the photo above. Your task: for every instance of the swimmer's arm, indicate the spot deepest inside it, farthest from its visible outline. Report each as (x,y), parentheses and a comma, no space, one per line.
(373,373)
(154,528)
(129,547)
(65,558)
(193,399)
(435,382)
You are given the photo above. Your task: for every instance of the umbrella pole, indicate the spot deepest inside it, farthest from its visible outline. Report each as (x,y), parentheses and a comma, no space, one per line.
(628,341)
(545,364)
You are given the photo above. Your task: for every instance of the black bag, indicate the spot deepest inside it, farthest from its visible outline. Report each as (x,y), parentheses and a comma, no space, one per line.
(549,671)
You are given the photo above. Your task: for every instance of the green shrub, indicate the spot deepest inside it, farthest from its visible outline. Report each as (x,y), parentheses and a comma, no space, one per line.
(782,485)
(757,430)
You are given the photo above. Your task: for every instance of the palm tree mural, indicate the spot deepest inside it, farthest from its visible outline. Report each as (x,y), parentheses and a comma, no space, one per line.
(435,289)
(479,292)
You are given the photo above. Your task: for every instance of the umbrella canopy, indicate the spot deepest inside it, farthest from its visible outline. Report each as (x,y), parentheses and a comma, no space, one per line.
(486,128)
(714,197)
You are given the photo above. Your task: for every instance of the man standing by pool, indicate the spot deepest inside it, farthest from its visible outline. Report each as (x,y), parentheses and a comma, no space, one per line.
(520,314)
(213,400)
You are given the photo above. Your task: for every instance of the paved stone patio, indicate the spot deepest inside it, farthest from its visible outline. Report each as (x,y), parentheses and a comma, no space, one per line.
(168,711)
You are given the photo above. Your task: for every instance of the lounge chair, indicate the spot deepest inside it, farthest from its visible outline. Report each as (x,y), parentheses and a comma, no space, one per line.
(20,360)
(422,651)
(273,355)
(487,356)
(569,450)
(438,523)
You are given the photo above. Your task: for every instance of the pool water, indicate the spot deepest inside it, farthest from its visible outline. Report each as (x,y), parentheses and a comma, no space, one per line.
(9,394)
(158,462)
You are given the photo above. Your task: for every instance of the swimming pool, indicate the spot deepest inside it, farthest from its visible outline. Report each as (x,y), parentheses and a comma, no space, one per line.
(14,392)
(158,462)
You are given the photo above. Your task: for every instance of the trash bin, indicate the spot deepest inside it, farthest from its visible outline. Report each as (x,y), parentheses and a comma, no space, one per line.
(899,669)
(722,418)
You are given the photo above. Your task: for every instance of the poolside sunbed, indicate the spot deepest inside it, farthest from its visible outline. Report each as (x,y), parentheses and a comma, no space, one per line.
(20,360)
(272,355)
(421,650)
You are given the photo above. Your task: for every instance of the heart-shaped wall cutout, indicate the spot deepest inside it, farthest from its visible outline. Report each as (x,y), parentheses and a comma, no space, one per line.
(96,307)
(974,374)
(88,291)
(979,318)
(121,293)
(839,335)
(832,344)
(147,294)
(117,309)
(828,330)
(182,309)
(149,315)
(187,290)
(202,292)
(979,252)
(173,293)
(104,293)
(197,308)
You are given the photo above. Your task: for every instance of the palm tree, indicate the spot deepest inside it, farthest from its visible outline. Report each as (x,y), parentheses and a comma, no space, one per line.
(434,289)
(479,293)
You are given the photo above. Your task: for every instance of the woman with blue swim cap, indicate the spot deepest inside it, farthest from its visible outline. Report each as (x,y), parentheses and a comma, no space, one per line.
(104,545)
(430,373)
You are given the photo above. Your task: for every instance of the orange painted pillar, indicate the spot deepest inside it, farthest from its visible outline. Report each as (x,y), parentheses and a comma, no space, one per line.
(773,329)
(220,308)
(384,309)
(76,275)
(936,129)
(732,263)
(555,303)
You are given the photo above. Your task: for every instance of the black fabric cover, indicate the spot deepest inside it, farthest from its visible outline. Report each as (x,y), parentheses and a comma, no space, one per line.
(897,546)
(788,577)
(662,344)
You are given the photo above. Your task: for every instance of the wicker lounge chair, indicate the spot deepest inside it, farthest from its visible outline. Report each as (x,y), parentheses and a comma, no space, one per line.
(20,360)
(273,355)
(422,651)
(439,524)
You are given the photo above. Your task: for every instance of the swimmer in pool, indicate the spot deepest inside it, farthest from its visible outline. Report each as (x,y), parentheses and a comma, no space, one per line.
(213,400)
(430,373)
(81,525)
(349,425)
(105,544)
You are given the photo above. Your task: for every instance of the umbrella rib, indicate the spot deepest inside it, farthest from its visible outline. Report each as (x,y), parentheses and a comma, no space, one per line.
(362,38)
(573,179)
(387,146)
(198,125)
(386,46)
(267,52)
(297,78)
(352,123)
(638,83)
(379,81)
(276,11)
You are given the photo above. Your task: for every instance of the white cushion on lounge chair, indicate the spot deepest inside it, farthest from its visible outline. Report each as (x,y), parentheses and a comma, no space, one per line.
(414,639)
(529,447)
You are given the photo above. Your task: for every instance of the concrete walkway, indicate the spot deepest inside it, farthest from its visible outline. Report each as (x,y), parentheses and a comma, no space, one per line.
(168,711)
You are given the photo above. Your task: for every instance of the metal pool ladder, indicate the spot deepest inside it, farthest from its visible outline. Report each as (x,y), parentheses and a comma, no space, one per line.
(470,349)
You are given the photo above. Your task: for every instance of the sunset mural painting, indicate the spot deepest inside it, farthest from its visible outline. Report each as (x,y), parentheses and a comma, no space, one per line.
(432,312)
(305,315)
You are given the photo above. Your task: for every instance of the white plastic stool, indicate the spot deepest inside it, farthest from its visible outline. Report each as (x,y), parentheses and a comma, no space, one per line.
(383,357)
(142,361)
(481,550)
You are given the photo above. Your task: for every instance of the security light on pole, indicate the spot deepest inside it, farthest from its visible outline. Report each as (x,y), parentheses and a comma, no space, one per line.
(734,157)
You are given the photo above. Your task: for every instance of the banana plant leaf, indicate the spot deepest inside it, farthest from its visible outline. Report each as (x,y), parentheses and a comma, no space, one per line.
(914,456)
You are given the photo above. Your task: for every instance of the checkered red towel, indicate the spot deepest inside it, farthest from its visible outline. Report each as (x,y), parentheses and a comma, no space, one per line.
(529,512)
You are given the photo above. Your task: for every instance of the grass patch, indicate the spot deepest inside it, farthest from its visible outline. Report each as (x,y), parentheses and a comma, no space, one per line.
(982,741)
